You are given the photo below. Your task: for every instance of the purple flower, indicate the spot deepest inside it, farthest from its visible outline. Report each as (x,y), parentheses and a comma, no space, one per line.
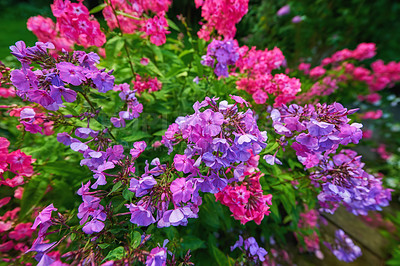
(344,249)
(85,132)
(142,186)
(71,73)
(283,11)
(103,81)
(64,138)
(41,97)
(297,19)
(138,148)
(140,215)
(270,159)
(44,216)
(157,257)
(94,226)
(58,91)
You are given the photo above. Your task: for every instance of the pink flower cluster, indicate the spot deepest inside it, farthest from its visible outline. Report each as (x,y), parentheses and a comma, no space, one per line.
(259,82)
(47,31)
(379,77)
(281,86)
(362,52)
(15,236)
(221,15)
(246,201)
(131,18)
(6,90)
(149,84)
(16,162)
(76,24)
(308,221)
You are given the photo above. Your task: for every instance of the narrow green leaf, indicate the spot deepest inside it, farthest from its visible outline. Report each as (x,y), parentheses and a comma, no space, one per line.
(97,8)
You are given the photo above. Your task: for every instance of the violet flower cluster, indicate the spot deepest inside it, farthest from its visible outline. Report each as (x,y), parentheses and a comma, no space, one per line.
(134,108)
(318,130)
(344,249)
(250,248)
(156,191)
(218,138)
(221,54)
(40,245)
(56,77)
(345,181)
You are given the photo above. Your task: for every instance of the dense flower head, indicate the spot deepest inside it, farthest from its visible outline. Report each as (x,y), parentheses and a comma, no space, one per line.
(362,52)
(257,62)
(316,129)
(218,138)
(16,162)
(246,201)
(251,249)
(149,84)
(258,80)
(221,54)
(155,195)
(221,15)
(76,24)
(344,249)
(344,181)
(156,28)
(54,80)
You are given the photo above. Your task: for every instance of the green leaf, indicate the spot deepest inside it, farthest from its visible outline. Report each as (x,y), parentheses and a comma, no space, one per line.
(136,238)
(97,8)
(138,135)
(192,242)
(128,195)
(104,245)
(33,194)
(270,147)
(173,25)
(115,254)
(115,187)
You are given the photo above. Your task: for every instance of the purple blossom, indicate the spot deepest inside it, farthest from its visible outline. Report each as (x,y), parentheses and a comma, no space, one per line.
(157,257)
(71,74)
(283,11)
(224,53)
(297,19)
(103,81)
(344,249)
(44,216)
(142,186)
(140,215)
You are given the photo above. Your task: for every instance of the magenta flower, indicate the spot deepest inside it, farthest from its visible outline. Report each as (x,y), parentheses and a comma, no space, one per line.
(182,163)
(181,190)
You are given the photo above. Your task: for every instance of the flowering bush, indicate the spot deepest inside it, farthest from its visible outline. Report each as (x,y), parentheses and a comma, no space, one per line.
(159,151)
